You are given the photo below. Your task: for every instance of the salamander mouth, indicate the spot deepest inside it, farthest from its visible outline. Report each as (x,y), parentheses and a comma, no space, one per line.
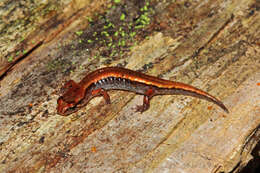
(63,106)
(71,107)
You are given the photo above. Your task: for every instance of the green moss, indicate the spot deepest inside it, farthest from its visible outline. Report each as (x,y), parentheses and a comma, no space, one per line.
(22,39)
(55,65)
(109,44)
(117,1)
(79,33)
(109,25)
(122,33)
(115,36)
(123,43)
(89,19)
(105,33)
(10,58)
(122,17)
(132,34)
(25,51)
(116,33)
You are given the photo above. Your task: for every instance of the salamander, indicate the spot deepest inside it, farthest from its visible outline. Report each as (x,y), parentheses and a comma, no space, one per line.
(98,82)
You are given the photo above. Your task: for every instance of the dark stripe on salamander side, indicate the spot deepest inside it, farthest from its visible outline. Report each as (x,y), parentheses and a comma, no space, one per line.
(113,83)
(117,83)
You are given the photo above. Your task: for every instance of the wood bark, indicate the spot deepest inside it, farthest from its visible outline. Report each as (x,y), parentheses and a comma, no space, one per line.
(212,45)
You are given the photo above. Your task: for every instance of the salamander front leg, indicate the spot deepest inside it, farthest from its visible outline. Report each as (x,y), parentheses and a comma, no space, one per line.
(101,92)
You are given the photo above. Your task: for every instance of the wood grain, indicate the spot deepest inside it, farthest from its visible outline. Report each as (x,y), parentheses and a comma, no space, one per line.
(212,45)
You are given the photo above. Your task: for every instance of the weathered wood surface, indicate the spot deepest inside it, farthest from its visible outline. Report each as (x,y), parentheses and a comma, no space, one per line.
(213,45)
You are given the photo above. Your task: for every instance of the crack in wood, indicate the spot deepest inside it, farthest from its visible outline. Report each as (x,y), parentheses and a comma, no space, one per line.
(19,59)
(214,36)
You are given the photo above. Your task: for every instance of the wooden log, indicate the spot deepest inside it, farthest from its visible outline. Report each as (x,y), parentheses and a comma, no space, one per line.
(213,45)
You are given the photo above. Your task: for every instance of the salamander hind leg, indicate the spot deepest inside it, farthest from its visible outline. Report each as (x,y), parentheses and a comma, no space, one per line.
(146,101)
(145,106)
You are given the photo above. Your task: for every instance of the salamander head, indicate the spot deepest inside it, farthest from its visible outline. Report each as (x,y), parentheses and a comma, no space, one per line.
(63,106)
(73,95)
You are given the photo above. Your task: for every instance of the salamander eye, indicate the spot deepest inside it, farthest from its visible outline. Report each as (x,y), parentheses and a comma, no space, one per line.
(68,84)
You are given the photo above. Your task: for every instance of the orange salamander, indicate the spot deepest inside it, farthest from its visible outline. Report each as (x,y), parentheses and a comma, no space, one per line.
(98,82)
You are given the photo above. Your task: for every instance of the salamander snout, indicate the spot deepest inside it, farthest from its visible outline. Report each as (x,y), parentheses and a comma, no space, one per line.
(63,106)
